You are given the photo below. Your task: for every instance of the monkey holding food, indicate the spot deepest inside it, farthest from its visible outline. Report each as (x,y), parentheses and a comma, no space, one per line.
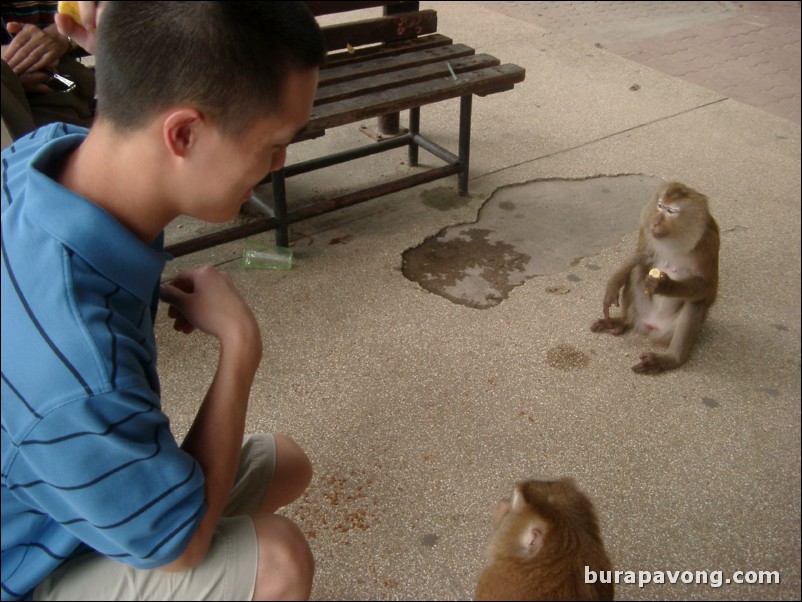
(544,539)
(672,279)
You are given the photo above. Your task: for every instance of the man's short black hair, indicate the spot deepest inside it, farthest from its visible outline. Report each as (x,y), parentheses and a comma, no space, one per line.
(228,59)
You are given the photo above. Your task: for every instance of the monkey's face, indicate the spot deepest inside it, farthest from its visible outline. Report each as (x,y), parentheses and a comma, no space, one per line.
(664,216)
(676,213)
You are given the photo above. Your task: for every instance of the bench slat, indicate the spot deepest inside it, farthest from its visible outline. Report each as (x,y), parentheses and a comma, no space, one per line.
(372,52)
(402,26)
(484,81)
(351,72)
(403,77)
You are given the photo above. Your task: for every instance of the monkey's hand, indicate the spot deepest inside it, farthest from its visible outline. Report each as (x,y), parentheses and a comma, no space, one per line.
(615,326)
(611,296)
(655,284)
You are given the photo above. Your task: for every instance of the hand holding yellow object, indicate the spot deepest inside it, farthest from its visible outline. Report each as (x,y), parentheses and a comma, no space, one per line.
(656,274)
(71,10)
(78,21)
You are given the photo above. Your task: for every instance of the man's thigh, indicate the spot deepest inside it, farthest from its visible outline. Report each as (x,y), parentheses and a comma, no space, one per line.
(227,573)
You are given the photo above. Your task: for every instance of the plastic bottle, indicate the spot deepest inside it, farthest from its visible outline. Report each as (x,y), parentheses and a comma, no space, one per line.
(260,255)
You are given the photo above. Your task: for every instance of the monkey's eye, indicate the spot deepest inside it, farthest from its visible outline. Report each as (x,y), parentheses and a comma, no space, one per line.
(668,209)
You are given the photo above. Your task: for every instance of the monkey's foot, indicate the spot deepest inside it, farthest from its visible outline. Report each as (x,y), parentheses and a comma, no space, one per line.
(652,363)
(614,326)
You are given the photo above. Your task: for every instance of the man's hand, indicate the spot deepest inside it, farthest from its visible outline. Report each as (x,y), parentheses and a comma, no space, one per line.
(35,83)
(206,299)
(82,33)
(33,49)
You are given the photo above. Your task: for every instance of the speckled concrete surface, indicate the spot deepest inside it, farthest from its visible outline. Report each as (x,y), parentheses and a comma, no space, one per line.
(418,413)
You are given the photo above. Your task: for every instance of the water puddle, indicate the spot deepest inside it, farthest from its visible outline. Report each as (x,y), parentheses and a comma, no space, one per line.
(527,230)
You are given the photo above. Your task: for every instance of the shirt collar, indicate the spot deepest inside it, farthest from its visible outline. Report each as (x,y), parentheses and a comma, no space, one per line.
(89,230)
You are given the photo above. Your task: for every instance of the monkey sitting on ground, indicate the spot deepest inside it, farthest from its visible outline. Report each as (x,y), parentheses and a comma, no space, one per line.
(544,539)
(671,281)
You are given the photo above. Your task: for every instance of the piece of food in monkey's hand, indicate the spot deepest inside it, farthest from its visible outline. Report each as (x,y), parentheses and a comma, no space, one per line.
(656,274)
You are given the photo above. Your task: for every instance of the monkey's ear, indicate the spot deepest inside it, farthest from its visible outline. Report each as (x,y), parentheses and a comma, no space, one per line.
(534,542)
(518,500)
(502,509)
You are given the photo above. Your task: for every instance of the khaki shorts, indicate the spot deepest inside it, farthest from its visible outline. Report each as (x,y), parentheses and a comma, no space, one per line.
(227,573)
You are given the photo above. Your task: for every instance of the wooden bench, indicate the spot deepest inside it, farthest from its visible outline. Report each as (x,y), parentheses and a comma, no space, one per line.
(377,68)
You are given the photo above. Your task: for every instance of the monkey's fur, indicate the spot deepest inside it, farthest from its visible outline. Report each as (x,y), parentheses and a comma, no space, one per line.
(680,238)
(544,538)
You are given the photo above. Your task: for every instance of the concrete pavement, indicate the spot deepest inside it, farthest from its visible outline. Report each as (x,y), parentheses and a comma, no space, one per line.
(419,413)
(748,51)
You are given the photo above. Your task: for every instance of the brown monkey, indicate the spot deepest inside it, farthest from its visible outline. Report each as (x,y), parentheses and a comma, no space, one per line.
(680,239)
(545,539)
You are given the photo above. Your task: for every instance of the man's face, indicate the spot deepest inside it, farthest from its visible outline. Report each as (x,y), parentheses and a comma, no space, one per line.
(229,167)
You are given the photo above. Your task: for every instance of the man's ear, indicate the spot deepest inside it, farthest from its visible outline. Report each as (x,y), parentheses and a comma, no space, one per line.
(181,129)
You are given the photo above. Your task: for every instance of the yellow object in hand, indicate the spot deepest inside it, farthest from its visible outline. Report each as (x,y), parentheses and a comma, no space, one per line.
(656,274)
(71,10)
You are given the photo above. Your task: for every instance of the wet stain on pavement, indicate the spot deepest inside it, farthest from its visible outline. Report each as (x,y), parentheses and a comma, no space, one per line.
(478,273)
(524,231)
(430,539)
(566,358)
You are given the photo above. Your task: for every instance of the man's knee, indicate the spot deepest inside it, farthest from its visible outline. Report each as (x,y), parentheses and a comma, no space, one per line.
(286,567)
(292,475)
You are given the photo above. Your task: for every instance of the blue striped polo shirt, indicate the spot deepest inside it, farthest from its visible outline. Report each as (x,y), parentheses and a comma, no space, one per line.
(88,459)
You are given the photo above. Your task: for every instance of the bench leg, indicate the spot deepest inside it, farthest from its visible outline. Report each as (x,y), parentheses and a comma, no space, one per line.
(414,130)
(465,105)
(389,125)
(280,204)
